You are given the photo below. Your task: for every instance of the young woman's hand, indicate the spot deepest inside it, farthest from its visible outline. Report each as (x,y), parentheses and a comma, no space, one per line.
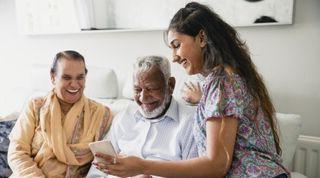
(121,166)
(192,92)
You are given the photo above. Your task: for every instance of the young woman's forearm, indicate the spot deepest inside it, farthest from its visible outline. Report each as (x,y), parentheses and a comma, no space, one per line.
(198,167)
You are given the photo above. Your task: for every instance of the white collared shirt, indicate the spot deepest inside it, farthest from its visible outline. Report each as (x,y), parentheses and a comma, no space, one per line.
(166,138)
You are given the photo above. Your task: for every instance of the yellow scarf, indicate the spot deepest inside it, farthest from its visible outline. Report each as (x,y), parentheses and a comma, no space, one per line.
(59,137)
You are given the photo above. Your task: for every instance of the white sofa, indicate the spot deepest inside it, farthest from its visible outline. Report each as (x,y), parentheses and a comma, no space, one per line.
(102,85)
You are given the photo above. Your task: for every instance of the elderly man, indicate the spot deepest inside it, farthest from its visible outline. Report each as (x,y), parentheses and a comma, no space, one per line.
(50,138)
(156,126)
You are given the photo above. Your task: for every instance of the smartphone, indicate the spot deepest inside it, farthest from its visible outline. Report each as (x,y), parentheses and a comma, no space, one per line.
(103,146)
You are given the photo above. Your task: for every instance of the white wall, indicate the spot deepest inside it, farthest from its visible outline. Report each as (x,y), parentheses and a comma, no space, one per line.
(287,56)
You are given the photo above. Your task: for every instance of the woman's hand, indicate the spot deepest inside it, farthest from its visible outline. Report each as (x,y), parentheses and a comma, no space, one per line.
(192,93)
(121,166)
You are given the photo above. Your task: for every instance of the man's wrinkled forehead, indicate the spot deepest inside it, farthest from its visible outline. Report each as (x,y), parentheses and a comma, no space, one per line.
(151,75)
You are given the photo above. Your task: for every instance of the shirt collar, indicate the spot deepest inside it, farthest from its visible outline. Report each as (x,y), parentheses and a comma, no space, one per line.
(172,113)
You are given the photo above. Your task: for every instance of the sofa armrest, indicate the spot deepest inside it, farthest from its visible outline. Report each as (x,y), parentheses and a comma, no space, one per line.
(289,130)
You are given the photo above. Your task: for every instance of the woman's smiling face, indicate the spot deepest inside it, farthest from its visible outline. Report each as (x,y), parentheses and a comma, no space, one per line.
(187,51)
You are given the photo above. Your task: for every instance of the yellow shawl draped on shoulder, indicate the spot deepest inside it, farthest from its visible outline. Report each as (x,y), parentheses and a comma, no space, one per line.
(59,137)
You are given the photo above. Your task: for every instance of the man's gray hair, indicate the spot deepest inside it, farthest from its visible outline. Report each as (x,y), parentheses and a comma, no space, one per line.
(144,63)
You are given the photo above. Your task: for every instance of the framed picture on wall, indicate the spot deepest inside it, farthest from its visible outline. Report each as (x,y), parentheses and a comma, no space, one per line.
(73,16)
(156,14)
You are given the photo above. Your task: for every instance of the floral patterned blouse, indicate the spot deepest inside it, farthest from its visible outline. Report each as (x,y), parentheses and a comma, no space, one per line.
(254,151)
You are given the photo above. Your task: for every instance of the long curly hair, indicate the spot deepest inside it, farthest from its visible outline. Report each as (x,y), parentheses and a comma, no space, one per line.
(224,48)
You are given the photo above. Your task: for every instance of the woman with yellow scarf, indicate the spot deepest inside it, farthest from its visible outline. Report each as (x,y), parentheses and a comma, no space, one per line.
(50,138)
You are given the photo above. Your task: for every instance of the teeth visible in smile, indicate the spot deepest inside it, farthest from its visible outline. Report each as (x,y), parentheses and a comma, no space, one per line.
(73,91)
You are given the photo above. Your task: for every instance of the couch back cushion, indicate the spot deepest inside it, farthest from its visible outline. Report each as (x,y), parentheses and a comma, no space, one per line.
(101,83)
(127,90)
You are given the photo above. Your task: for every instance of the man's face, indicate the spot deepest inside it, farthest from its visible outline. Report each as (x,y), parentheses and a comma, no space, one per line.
(151,92)
(69,80)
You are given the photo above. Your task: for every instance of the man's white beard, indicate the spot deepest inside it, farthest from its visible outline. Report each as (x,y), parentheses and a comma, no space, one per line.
(156,112)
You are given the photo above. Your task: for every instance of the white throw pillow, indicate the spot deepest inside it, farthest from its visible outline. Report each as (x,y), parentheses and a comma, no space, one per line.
(289,130)
(127,91)
(14,95)
(101,83)
(40,78)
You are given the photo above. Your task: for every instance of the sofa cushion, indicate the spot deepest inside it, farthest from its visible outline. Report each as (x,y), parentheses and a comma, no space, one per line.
(101,83)
(40,78)
(127,91)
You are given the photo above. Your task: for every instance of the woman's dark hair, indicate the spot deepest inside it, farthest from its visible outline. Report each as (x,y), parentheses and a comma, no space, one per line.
(69,54)
(223,49)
